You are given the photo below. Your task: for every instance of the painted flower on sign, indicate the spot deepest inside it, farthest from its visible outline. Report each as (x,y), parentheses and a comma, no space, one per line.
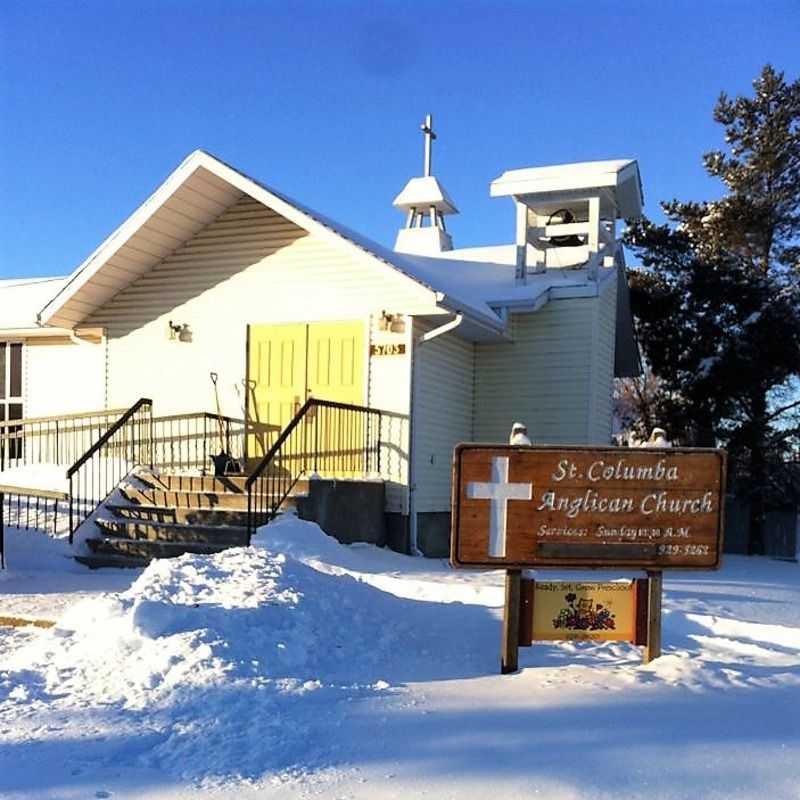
(584,616)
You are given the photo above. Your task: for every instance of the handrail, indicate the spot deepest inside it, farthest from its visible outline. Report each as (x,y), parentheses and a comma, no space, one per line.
(14,423)
(107,435)
(336,438)
(19,492)
(57,439)
(301,412)
(271,453)
(186,441)
(125,445)
(195,414)
(26,491)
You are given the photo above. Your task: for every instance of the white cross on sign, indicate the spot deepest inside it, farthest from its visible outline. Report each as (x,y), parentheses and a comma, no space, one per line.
(499,491)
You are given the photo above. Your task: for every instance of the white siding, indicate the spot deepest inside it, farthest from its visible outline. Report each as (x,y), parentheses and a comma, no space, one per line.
(248,266)
(159,226)
(542,378)
(389,390)
(601,412)
(444,377)
(63,378)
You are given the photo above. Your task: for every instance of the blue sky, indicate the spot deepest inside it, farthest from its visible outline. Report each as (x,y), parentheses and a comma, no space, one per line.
(99,101)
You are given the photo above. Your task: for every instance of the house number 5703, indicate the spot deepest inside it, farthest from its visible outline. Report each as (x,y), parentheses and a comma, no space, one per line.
(387,349)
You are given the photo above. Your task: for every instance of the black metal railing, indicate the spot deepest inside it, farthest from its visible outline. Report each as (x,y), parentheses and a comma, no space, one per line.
(100,448)
(326,438)
(39,511)
(52,440)
(125,445)
(186,442)
(28,509)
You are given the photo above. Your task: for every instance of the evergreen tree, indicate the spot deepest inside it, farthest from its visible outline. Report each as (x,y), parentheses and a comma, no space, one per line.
(718,303)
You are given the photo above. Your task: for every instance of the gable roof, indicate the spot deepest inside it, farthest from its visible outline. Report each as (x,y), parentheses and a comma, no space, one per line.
(191,197)
(203,186)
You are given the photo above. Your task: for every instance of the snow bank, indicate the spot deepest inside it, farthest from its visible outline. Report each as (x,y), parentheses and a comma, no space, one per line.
(47,477)
(233,660)
(400,575)
(103,477)
(286,661)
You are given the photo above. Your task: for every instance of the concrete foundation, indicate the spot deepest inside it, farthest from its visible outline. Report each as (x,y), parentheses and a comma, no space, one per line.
(433,534)
(352,511)
(398,537)
(349,510)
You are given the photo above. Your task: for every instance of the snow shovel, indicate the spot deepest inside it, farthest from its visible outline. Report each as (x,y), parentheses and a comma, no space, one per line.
(224,462)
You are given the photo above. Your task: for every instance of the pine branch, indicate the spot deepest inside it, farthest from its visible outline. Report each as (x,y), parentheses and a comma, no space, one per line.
(783,410)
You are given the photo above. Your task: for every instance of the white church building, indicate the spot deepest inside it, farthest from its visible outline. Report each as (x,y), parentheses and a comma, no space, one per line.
(218,272)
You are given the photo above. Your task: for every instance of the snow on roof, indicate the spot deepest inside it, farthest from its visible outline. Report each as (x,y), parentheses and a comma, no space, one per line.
(21,299)
(469,286)
(423,193)
(579,175)
(432,276)
(621,175)
(473,286)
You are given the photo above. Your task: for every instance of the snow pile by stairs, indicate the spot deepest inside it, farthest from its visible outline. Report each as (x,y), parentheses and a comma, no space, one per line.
(226,664)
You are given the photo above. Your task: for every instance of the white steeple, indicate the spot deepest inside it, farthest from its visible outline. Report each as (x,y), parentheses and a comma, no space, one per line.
(425,203)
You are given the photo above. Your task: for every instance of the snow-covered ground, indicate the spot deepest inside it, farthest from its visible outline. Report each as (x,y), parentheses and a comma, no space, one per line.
(47,477)
(300,668)
(97,477)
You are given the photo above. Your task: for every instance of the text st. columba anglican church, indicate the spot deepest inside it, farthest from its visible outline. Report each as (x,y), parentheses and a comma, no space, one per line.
(217,272)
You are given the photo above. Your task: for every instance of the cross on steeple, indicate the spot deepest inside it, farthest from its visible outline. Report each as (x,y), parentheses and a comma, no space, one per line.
(427,129)
(425,204)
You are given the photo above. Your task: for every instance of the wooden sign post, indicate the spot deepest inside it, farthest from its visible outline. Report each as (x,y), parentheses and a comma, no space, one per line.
(509,647)
(652,647)
(597,508)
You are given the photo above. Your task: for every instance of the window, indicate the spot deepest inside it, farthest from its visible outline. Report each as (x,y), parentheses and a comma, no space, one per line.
(10,399)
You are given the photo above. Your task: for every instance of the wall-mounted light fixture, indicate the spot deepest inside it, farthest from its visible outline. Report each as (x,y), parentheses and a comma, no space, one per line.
(180,331)
(394,323)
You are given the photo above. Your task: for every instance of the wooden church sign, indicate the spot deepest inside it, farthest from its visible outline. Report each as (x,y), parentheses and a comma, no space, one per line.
(595,507)
(578,507)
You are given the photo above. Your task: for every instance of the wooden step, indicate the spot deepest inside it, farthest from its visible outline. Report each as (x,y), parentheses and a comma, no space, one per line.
(192,500)
(112,560)
(233,484)
(174,533)
(146,550)
(300,488)
(183,516)
(171,499)
(144,530)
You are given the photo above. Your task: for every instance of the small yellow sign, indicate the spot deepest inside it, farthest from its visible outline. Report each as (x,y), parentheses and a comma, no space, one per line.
(595,611)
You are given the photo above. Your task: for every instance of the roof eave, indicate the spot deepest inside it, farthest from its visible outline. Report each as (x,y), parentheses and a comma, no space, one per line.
(92,265)
(448,303)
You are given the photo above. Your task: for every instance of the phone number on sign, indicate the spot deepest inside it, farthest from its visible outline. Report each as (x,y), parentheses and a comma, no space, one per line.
(683,550)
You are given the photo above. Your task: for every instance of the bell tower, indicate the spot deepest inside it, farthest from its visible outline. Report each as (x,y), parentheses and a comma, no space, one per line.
(425,204)
(567,213)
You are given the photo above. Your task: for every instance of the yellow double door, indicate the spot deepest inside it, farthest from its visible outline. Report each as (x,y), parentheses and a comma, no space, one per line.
(289,363)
